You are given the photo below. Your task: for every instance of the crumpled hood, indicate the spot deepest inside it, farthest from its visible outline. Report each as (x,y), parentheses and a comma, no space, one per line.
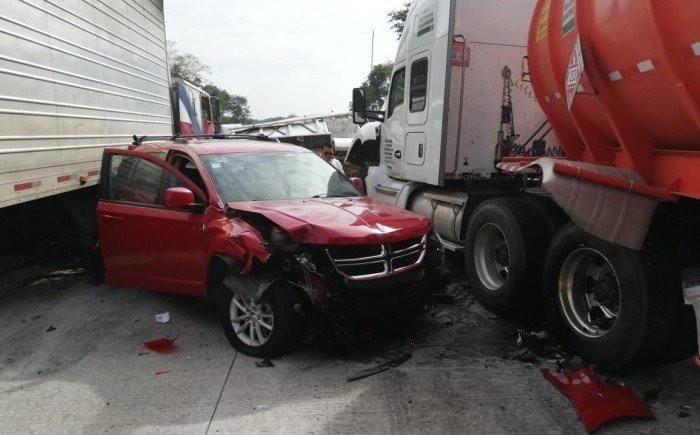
(360,220)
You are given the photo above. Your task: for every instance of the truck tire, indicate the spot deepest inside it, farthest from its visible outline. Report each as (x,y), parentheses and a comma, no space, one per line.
(601,304)
(266,328)
(504,245)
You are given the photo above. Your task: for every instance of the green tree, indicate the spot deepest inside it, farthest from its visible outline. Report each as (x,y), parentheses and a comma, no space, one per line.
(234,108)
(187,66)
(397,19)
(376,85)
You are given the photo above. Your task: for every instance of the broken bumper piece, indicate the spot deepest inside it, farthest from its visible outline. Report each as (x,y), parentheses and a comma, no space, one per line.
(597,402)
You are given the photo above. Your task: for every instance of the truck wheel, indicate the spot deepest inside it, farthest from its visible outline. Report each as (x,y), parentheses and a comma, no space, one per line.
(600,302)
(504,245)
(266,328)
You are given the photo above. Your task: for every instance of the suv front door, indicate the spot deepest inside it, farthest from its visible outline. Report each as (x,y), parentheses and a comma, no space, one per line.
(145,244)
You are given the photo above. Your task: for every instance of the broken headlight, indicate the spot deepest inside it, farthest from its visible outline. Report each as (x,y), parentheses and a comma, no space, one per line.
(281,240)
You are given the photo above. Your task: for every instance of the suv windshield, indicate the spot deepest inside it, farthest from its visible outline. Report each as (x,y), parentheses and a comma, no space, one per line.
(295,175)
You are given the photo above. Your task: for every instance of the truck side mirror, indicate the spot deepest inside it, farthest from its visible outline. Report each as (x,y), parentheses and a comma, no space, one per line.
(359,106)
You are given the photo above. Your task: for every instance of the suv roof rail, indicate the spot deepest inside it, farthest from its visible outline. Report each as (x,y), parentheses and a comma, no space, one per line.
(182,138)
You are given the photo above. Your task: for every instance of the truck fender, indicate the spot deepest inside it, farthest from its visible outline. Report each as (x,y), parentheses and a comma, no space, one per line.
(611,203)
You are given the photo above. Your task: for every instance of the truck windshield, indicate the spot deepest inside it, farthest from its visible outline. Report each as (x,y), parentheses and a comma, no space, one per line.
(266,176)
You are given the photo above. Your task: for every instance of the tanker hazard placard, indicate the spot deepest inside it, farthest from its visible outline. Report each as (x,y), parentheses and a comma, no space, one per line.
(568,19)
(574,73)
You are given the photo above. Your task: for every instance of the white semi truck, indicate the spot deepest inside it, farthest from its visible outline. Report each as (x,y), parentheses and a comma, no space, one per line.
(570,189)
(77,77)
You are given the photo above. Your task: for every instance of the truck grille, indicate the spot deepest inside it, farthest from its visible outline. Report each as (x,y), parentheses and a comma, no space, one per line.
(362,262)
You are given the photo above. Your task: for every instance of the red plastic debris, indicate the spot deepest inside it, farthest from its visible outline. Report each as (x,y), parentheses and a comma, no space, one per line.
(162,345)
(597,402)
(697,360)
(163,372)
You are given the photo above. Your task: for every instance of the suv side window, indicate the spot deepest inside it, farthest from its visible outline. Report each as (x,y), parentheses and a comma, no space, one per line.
(419,85)
(396,93)
(137,180)
(187,167)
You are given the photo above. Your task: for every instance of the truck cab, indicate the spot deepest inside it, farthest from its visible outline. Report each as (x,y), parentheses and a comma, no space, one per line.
(195,112)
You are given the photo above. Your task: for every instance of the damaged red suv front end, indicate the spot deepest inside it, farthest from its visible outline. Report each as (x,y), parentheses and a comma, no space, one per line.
(271,232)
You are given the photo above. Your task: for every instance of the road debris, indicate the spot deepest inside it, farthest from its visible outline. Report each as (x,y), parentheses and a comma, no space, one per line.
(66,272)
(685,411)
(264,363)
(540,343)
(162,345)
(163,372)
(523,355)
(570,362)
(50,328)
(395,362)
(163,317)
(437,314)
(597,402)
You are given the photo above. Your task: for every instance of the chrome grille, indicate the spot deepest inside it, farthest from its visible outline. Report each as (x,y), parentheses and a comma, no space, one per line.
(362,262)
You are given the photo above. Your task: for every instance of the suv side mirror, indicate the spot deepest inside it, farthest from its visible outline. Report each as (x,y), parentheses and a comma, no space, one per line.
(179,197)
(357,182)
(359,106)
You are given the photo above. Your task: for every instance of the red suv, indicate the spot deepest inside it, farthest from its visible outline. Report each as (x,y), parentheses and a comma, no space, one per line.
(271,232)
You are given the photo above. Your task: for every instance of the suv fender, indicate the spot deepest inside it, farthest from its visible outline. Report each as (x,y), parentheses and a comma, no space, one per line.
(254,285)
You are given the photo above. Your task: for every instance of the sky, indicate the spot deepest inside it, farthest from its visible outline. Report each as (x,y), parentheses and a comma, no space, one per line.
(285,56)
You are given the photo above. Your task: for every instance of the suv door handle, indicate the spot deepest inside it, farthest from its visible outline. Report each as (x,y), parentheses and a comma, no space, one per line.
(112,218)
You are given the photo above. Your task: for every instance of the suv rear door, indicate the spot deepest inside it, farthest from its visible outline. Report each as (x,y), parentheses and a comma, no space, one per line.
(143,243)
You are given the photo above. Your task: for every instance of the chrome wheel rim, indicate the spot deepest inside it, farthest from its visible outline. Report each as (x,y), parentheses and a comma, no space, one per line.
(491,256)
(252,322)
(589,292)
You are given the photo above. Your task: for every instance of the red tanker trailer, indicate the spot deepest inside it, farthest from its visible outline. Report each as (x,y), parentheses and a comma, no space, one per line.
(557,144)
(628,73)
(633,101)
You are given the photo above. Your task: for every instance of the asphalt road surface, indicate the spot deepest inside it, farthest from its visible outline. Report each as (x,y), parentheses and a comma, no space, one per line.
(72,361)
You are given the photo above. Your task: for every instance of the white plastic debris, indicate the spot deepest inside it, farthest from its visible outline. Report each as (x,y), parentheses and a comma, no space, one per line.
(163,317)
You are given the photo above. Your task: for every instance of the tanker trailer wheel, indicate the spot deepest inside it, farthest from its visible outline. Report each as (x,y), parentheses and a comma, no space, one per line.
(599,300)
(504,245)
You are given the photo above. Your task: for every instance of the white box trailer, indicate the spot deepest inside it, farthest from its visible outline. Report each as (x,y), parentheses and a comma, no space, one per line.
(76,77)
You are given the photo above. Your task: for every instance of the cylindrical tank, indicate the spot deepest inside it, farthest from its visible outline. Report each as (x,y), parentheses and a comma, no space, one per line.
(637,104)
(444,208)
